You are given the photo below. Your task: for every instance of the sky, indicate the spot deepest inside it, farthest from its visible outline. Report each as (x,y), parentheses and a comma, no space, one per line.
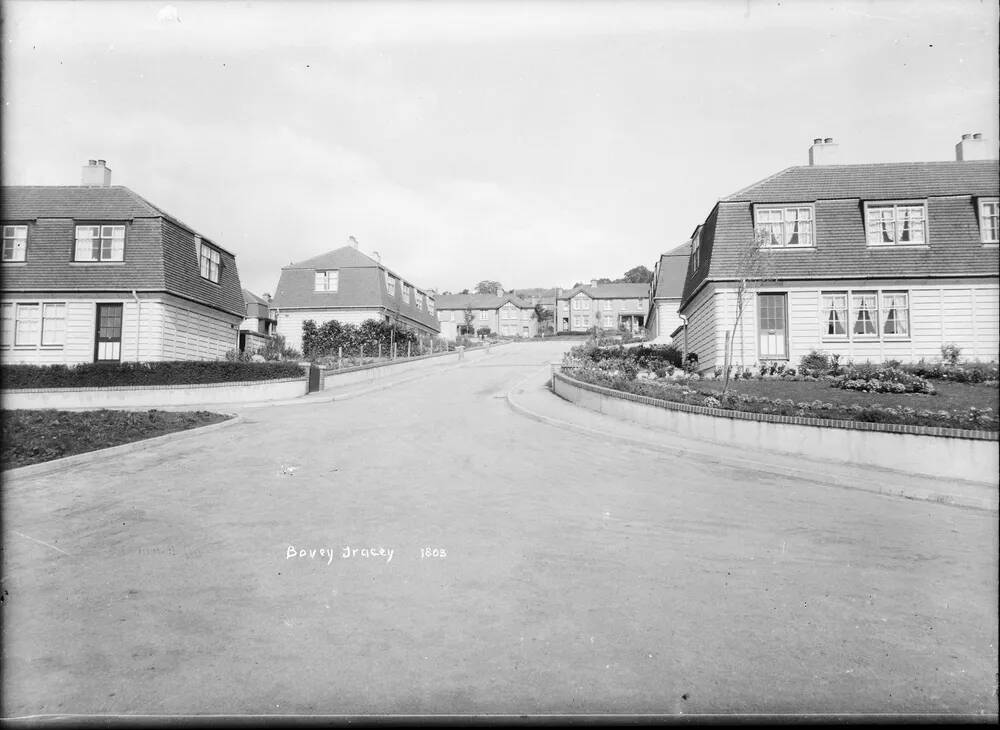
(535,144)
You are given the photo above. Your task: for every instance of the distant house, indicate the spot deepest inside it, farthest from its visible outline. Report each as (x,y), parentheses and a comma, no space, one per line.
(871,261)
(504,314)
(97,273)
(665,290)
(258,326)
(348,286)
(612,306)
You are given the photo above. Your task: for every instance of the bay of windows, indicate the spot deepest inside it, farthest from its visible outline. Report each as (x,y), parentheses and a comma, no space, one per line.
(864,315)
(785,227)
(100,243)
(33,324)
(15,243)
(895,224)
(989,222)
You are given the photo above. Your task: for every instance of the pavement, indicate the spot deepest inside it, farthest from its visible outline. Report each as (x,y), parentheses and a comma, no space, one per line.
(497,561)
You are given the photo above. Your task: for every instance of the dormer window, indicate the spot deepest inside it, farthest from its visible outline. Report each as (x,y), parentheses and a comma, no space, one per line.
(430,305)
(785,226)
(15,242)
(419,300)
(989,222)
(390,284)
(99,243)
(696,250)
(896,224)
(327,280)
(209,260)
(406,293)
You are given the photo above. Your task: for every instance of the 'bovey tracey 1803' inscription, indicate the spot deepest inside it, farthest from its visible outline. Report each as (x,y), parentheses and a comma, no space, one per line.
(345,552)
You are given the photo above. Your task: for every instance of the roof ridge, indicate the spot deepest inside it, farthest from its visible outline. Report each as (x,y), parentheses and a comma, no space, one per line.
(769,178)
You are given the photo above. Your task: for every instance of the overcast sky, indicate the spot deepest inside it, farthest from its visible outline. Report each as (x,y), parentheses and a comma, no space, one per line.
(538,144)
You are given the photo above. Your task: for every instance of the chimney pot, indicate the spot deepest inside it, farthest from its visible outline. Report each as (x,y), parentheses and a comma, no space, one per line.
(966,136)
(977,135)
(102,163)
(818,140)
(828,140)
(91,162)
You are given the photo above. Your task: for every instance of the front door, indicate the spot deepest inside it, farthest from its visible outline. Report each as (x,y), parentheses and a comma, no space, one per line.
(108,336)
(772,327)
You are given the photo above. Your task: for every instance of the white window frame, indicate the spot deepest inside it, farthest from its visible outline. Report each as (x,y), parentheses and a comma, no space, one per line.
(781,228)
(484,315)
(606,305)
(209,261)
(103,233)
(578,321)
(874,231)
(885,307)
(609,321)
(28,336)
(984,218)
(582,304)
(696,250)
(15,243)
(7,324)
(874,314)
(430,305)
(53,324)
(390,284)
(327,280)
(826,307)
(404,292)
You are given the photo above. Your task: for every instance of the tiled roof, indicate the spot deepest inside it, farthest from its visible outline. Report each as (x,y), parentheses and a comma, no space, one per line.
(883,181)
(951,191)
(160,254)
(479,301)
(81,202)
(671,272)
(360,284)
(250,298)
(609,291)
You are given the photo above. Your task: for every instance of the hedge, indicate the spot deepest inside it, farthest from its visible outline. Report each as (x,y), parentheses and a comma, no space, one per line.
(175,372)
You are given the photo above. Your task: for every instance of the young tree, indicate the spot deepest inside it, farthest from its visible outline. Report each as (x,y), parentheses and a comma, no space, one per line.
(542,315)
(469,316)
(753,268)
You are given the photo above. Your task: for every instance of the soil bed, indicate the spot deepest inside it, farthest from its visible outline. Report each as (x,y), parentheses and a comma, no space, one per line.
(34,436)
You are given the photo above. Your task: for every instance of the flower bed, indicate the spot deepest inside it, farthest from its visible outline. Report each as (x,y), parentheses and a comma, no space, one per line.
(177,372)
(31,436)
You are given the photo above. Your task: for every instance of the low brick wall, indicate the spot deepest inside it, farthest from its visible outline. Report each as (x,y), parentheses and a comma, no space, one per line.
(380,371)
(936,452)
(152,396)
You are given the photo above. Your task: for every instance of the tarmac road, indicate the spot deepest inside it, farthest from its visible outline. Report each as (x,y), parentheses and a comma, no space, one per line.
(574,573)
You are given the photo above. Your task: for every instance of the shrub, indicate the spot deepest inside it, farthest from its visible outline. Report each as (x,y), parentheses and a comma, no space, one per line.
(483,331)
(815,363)
(882,379)
(276,349)
(950,353)
(174,372)
(237,356)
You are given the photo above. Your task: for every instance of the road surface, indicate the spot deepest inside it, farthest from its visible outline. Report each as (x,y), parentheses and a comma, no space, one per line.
(561,573)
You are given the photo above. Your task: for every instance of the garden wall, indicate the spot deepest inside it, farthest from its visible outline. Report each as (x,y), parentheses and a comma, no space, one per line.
(972,456)
(154,395)
(379,371)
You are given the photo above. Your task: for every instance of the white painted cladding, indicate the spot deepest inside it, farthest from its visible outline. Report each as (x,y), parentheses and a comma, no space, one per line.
(664,321)
(964,314)
(164,328)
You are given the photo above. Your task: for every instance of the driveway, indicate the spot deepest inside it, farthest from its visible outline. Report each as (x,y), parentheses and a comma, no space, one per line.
(563,573)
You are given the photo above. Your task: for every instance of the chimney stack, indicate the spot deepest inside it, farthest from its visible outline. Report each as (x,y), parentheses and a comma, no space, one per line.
(823,151)
(974,147)
(96,173)
(353,241)
(499,291)
(593,282)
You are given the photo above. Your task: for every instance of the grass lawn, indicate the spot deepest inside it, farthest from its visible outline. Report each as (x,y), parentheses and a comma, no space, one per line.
(34,436)
(949,396)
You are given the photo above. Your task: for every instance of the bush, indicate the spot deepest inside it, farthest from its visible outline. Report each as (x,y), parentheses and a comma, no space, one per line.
(882,379)
(969,372)
(275,349)
(950,353)
(815,363)
(175,372)
(483,331)
(327,339)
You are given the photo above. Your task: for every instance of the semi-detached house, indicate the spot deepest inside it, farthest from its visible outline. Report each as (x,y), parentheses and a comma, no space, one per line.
(97,273)
(348,286)
(868,261)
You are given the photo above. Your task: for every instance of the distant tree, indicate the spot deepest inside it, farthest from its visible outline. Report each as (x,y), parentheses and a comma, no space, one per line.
(446,293)
(604,281)
(488,287)
(579,283)
(542,315)
(637,275)
(464,291)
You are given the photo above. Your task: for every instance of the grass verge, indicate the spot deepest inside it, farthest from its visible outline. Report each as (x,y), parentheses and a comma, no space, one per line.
(35,436)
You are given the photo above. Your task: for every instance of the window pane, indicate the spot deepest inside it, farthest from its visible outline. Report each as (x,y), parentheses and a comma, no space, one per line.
(27,324)
(7,324)
(834,315)
(865,314)
(53,324)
